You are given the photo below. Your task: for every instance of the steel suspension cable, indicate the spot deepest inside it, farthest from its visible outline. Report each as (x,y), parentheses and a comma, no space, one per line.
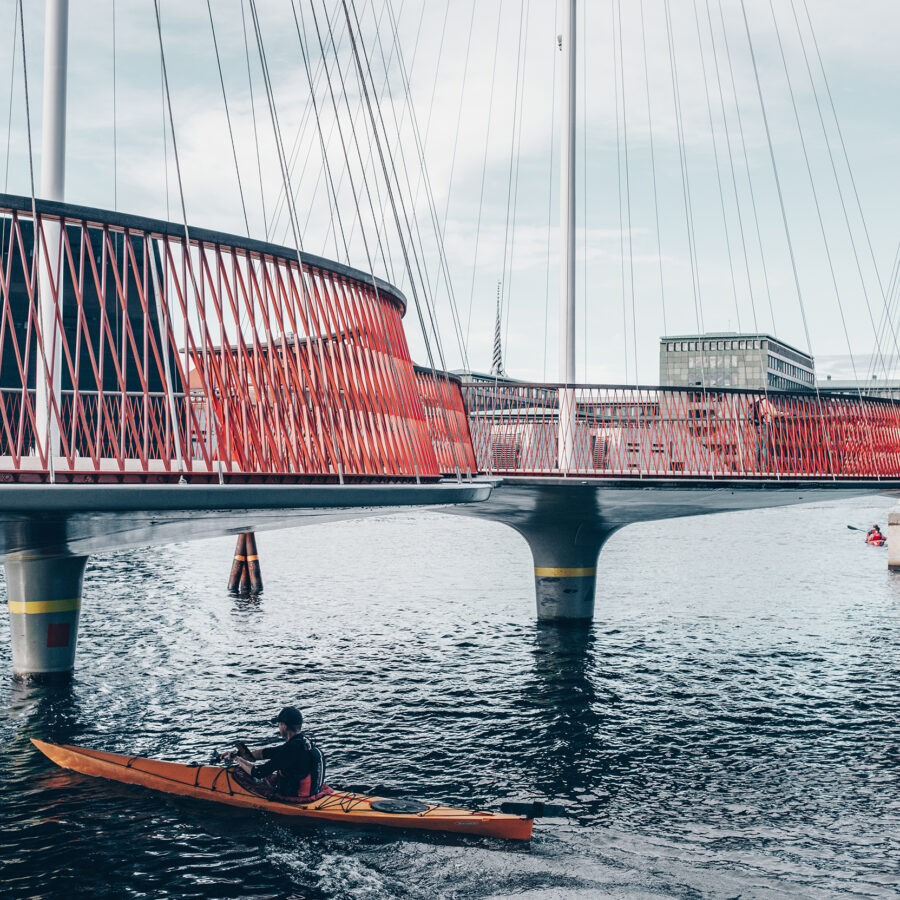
(487,137)
(784,218)
(733,172)
(843,144)
(715,146)
(584,197)
(380,238)
(412,228)
(434,84)
(37,250)
(12,85)
(298,241)
(514,158)
(162,91)
(332,189)
(423,281)
(453,153)
(821,221)
(747,167)
(360,114)
(765,384)
(637,376)
(686,193)
(115,112)
(288,192)
(237,168)
(365,103)
(889,319)
(555,51)
(443,263)
(366,78)
(262,190)
(379,245)
(817,204)
(662,288)
(613,8)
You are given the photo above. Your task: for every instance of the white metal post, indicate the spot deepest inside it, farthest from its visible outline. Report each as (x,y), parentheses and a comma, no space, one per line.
(53,187)
(566,438)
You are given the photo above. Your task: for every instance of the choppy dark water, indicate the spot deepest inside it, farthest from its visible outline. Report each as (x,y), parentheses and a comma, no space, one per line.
(729,727)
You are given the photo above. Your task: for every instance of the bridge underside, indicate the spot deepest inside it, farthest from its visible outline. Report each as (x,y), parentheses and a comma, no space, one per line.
(88,519)
(48,531)
(566,521)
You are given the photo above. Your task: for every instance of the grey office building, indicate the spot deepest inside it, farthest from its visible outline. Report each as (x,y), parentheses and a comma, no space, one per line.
(728,359)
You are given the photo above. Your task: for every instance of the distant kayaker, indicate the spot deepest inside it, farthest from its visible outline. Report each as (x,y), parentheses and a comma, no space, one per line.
(295,768)
(874,536)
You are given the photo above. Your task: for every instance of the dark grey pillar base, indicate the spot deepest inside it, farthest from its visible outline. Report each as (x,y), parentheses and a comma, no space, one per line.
(44,598)
(565,569)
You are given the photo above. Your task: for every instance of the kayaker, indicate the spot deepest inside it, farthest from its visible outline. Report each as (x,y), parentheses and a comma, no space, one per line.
(875,536)
(295,768)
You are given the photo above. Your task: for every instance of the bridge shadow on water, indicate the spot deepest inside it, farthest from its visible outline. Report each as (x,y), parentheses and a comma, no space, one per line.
(568,715)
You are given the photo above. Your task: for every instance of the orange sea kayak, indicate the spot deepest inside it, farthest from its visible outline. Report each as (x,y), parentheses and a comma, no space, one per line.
(218,784)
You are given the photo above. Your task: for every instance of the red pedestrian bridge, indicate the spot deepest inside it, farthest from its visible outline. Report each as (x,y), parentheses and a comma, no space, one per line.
(159,383)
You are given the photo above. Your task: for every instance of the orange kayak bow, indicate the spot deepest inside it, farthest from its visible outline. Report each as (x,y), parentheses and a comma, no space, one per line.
(217,784)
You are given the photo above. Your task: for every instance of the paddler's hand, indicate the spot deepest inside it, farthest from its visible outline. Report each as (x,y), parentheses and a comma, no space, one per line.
(229,756)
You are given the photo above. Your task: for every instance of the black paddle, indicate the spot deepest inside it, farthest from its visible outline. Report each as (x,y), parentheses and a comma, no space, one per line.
(533,810)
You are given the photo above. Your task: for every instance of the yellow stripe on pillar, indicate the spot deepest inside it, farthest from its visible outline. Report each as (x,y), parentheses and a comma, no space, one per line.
(44,606)
(564,573)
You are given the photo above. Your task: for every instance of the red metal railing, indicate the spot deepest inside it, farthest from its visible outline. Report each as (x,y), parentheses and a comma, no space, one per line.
(448,421)
(211,358)
(672,432)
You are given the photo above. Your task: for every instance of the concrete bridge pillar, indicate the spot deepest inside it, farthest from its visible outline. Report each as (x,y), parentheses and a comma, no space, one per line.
(893,541)
(565,567)
(44,598)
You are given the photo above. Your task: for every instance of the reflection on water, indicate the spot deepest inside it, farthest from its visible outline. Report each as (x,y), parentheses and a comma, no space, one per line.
(728,726)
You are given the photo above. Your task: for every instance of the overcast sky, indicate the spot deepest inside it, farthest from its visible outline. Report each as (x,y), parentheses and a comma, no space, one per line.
(488,156)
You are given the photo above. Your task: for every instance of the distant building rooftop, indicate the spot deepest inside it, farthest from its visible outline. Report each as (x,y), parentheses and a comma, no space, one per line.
(879,387)
(470,375)
(734,335)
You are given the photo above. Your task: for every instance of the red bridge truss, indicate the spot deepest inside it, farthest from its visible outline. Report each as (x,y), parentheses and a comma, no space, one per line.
(163,355)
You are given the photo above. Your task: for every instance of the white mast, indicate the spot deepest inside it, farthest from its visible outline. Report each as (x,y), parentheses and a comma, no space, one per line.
(53,186)
(567,44)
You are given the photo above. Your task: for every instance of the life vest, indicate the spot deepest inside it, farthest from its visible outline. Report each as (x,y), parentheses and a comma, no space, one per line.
(315,781)
(876,538)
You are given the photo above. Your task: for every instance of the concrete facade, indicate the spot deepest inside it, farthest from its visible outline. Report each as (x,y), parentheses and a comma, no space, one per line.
(729,359)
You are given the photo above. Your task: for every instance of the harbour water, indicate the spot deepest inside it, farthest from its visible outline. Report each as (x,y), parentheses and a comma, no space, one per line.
(729,726)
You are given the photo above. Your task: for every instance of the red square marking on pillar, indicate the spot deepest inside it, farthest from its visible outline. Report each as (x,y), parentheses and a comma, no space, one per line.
(58,634)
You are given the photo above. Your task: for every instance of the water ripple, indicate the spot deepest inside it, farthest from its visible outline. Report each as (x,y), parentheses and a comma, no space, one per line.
(729,726)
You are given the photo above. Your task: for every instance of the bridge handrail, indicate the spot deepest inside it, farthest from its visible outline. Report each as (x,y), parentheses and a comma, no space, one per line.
(679,432)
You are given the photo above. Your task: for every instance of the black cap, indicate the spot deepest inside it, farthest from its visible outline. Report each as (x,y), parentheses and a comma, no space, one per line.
(290,716)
